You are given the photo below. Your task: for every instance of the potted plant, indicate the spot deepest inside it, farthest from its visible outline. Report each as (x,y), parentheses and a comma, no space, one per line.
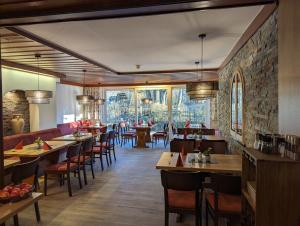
(76,133)
(206,154)
(39,143)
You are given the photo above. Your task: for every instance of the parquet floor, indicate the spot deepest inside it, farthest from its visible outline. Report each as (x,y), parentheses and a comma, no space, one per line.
(128,193)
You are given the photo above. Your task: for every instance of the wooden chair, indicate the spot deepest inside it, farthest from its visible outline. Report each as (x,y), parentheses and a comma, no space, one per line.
(116,129)
(98,149)
(205,131)
(225,200)
(72,164)
(127,135)
(218,146)
(25,171)
(110,145)
(177,145)
(86,157)
(161,135)
(183,194)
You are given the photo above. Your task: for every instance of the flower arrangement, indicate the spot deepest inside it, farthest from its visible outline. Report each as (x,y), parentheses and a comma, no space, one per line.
(39,142)
(208,151)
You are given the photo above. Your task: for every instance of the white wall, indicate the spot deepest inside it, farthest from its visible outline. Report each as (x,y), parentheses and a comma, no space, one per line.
(66,101)
(43,116)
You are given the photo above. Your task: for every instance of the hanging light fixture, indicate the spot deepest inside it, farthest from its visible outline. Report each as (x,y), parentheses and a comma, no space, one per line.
(99,100)
(201,90)
(84,99)
(38,96)
(147,100)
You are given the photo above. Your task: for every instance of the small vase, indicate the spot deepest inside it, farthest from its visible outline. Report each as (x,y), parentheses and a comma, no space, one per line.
(17,123)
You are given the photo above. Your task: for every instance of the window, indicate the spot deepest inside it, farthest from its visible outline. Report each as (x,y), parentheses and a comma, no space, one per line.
(184,109)
(69,118)
(237,108)
(156,110)
(120,106)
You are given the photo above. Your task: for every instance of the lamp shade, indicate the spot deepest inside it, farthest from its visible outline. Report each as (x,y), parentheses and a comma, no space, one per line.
(147,101)
(202,90)
(100,101)
(38,96)
(84,99)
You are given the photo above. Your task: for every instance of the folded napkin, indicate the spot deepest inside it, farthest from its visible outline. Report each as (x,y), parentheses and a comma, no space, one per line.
(179,160)
(19,146)
(46,146)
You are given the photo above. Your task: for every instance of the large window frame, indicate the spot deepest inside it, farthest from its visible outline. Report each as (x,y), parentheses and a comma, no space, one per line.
(237,106)
(150,87)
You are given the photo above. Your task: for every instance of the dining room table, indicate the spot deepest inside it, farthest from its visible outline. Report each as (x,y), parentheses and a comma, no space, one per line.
(11,162)
(32,151)
(77,138)
(143,135)
(219,163)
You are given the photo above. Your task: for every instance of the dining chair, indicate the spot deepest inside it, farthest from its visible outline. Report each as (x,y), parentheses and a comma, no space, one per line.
(127,135)
(182,194)
(176,145)
(86,158)
(225,200)
(24,171)
(117,132)
(218,146)
(98,149)
(72,164)
(161,135)
(110,145)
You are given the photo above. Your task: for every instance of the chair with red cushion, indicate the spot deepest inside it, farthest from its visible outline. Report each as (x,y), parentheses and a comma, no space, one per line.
(178,145)
(20,173)
(127,135)
(110,145)
(183,194)
(72,164)
(225,200)
(99,150)
(86,157)
(161,135)
(218,146)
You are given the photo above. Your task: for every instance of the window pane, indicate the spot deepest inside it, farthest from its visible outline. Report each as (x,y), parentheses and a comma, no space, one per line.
(240,105)
(184,109)
(157,110)
(120,106)
(233,111)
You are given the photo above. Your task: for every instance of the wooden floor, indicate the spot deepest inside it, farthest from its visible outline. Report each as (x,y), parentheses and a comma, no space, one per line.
(128,193)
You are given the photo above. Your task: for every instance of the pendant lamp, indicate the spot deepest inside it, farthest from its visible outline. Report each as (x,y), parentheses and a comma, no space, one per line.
(84,99)
(38,96)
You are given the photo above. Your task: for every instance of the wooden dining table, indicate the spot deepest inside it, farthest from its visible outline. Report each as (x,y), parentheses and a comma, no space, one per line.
(143,135)
(8,163)
(220,163)
(31,150)
(71,137)
(198,138)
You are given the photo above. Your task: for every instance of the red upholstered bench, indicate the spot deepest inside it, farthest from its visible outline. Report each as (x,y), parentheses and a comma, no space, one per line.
(66,128)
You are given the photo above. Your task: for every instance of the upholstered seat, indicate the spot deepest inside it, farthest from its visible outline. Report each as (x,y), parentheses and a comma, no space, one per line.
(226,202)
(81,159)
(60,167)
(181,199)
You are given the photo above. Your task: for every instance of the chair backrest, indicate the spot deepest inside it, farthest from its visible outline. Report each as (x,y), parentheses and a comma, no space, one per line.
(74,151)
(87,146)
(181,181)
(218,146)
(176,145)
(225,183)
(181,130)
(103,138)
(26,170)
(205,131)
(111,138)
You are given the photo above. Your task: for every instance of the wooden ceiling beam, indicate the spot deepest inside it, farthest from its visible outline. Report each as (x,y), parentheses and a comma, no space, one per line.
(167,71)
(20,13)
(57,47)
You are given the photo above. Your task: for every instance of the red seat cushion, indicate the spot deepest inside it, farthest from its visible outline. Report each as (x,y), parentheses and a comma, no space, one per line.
(181,199)
(81,159)
(60,167)
(226,202)
(97,149)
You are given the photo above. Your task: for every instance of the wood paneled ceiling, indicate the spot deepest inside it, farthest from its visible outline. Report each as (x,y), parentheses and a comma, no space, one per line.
(18,46)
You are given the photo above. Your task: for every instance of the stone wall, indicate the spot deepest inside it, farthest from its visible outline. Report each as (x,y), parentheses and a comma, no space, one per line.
(15,103)
(258,61)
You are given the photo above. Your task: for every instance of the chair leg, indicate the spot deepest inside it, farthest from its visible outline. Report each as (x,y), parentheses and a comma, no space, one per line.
(131,142)
(92,169)
(16,220)
(101,161)
(197,218)
(166,217)
(45,183)
(79,178)
(84,174)
(114,153)
(206,213)
(69,184)
(106,156)
(109,155)
(37,212)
